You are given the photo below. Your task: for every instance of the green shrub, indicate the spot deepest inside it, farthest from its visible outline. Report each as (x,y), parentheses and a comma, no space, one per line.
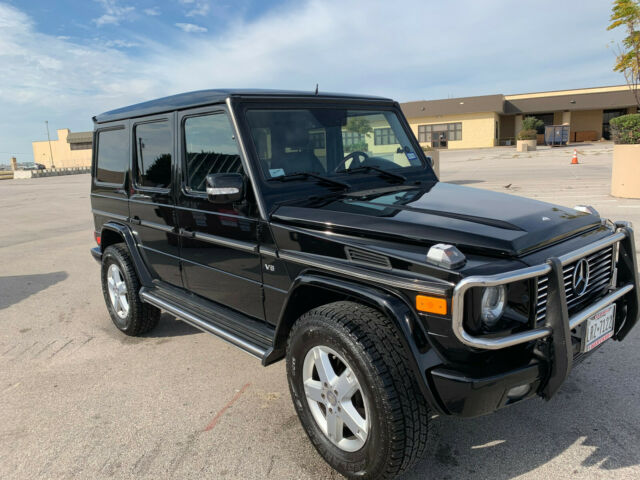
(626,129)
(529,134)
(356,147)
(532,123)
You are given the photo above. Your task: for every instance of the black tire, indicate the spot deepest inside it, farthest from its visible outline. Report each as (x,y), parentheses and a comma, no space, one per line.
(141,317)
(398,411)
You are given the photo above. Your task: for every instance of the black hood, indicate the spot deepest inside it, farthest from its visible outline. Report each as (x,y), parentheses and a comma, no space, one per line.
(470,218)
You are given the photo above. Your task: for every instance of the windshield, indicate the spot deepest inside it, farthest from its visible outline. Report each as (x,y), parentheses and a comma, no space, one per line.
(329,141)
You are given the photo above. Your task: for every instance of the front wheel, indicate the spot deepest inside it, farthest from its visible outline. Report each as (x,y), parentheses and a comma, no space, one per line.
(354,392)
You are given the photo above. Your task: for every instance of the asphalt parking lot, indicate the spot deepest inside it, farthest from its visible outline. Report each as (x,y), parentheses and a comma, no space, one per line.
(80,400)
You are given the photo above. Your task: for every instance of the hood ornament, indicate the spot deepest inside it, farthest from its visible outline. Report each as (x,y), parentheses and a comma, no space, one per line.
(580,281)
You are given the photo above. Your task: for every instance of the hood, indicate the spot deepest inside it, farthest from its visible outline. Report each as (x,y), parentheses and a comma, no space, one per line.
(467,217)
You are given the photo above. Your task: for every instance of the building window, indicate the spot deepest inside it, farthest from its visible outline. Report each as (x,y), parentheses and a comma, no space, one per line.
(451,131)
(211,148)
(154,148)
(352,138)
(113,156)
(318,140)
(384,136)
(81,146)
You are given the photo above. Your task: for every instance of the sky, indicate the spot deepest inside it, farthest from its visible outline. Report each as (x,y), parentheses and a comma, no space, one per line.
(65,61)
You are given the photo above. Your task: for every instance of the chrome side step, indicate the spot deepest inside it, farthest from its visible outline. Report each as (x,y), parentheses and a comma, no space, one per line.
(203,324)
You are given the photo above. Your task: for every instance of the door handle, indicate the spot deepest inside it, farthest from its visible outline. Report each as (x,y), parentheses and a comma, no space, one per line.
(135,220)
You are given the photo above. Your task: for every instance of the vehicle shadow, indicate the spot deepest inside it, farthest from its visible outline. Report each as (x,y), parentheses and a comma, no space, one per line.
(170,326)
(15,288)
(594,415)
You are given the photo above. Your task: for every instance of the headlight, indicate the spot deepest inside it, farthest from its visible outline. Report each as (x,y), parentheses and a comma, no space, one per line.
(492,304)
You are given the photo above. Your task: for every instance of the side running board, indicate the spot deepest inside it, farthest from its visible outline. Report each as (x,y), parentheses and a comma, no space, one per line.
(205,322)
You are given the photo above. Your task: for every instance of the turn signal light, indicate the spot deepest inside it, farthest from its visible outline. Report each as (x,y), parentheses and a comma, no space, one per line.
(437,305)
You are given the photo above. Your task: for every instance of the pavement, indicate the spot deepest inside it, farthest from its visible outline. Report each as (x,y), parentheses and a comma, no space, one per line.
(78,399)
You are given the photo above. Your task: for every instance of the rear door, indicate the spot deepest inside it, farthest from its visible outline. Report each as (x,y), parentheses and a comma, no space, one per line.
(219,242)
(152,205)
(109,190)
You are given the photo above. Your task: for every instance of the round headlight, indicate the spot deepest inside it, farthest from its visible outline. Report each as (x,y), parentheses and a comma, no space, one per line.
(492,304)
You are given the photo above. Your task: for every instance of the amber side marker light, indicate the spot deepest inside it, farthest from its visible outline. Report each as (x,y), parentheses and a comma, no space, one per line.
(437,305)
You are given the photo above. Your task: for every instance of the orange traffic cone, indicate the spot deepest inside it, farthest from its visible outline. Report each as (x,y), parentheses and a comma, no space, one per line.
(574,160)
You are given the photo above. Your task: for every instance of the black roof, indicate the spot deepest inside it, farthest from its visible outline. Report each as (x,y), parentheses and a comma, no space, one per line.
(209,97)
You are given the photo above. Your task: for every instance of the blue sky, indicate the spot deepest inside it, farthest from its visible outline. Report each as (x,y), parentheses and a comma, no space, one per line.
(65,61)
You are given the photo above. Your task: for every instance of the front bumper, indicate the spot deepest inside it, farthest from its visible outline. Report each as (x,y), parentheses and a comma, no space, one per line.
(465,395)
(96,253)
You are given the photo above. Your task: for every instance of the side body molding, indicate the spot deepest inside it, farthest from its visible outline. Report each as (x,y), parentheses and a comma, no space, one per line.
(125,232)
(419,352)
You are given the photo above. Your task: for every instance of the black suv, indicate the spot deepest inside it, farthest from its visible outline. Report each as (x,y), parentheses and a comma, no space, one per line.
(313,227)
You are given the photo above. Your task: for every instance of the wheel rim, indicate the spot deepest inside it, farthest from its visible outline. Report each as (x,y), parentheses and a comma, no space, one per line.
(335,398)
(117,291)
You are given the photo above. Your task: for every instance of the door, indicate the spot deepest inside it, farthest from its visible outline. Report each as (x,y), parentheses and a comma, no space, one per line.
(152,205)
(219,242)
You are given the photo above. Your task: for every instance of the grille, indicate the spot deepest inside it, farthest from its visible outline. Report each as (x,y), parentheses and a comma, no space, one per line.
(367,258)
(600,271)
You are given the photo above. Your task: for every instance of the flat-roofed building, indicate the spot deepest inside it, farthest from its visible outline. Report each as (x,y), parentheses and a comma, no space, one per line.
(70,149)
(490,120)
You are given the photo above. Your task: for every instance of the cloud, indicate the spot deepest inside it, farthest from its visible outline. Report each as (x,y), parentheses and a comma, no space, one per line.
(152,12)
(114,13)
(191,28)
(200,9)
(404,49)
(117,43)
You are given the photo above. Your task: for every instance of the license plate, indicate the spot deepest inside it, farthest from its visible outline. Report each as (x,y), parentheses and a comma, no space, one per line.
(599,327)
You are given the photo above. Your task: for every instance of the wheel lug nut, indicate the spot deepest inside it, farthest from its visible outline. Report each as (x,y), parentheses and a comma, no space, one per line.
(330,410)
(326,384)
(335,391)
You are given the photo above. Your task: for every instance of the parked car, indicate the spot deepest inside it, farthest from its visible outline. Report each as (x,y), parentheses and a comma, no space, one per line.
(391,295)
(32,166)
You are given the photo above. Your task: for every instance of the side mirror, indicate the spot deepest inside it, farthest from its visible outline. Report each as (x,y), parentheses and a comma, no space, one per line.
(225,187)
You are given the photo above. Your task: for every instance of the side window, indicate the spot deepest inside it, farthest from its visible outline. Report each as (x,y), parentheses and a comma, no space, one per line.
(210,147)
(113,156)
(154,146)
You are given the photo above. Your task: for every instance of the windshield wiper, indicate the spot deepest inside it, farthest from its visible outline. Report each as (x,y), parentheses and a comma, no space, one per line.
(295,175)
(369,168)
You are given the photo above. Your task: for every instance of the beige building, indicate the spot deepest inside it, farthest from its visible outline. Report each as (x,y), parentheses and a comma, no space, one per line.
(68,150)
(490,120)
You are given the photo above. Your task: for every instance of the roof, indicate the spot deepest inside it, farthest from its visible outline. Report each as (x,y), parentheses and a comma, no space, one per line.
(80,137)
(210,97)
(583,101)
(536,103)
(453,106)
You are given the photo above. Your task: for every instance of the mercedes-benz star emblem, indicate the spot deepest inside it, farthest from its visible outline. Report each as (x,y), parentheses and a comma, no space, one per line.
(581,277)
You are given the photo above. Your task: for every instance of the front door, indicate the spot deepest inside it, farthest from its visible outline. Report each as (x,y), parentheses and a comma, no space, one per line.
(219,242)
(151,205)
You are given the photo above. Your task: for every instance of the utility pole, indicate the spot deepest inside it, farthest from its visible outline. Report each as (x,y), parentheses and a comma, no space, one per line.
(49,138)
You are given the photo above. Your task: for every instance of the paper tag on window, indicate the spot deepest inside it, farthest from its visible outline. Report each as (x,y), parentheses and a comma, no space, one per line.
(276,172)
(411,156)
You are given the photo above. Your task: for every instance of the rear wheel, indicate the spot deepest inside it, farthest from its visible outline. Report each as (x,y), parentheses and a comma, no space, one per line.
(120,286)
(354,391)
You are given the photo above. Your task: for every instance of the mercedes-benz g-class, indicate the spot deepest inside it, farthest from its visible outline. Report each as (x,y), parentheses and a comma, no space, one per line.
(313,228)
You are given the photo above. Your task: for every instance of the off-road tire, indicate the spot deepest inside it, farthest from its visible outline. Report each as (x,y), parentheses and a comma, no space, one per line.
(141,317)
(399,415)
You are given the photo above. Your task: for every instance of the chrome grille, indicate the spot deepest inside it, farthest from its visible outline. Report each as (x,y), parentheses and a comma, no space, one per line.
(600,271)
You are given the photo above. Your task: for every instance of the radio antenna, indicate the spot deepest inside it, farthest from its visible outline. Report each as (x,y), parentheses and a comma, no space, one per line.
(316,89)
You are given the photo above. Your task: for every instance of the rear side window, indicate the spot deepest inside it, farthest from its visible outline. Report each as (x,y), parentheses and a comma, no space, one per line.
(210,147)
(113,156)
(154,147)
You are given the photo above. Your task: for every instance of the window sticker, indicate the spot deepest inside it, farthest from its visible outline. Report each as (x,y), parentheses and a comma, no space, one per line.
(276,172)
(411,156)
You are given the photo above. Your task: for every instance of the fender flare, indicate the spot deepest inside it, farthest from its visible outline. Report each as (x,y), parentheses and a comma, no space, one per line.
(127,235)
(392,305)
